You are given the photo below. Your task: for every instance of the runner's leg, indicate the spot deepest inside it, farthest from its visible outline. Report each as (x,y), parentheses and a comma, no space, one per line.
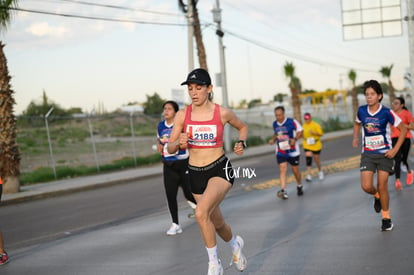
(208,213)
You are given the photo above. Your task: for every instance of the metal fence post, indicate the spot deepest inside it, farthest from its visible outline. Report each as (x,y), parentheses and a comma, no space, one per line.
(131,119)
(50,142)
(93,142)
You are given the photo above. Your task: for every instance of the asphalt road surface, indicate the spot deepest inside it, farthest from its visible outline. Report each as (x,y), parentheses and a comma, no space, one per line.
(332,229)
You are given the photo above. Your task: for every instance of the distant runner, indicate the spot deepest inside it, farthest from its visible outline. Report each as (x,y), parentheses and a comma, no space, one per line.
(286,133)
(377,151)
(312,145)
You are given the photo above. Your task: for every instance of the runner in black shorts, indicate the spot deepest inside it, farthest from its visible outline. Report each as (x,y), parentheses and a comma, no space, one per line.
(200,128)
(286,133)
(199,176)
(312,145)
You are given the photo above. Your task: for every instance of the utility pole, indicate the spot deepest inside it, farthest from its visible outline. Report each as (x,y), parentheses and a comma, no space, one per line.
(217,19)
(190,35)
(410,24)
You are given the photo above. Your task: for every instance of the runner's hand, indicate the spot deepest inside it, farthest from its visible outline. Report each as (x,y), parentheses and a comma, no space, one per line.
(391,153)
(183,140)
(238,148)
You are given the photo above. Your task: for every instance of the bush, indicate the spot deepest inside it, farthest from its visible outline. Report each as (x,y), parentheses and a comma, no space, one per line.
(252,141)
(45,174)
(335,124)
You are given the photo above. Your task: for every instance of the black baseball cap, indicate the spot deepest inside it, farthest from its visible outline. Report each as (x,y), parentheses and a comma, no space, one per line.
(198,76)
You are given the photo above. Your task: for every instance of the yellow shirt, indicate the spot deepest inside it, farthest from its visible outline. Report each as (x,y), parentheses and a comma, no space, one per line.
(311,141)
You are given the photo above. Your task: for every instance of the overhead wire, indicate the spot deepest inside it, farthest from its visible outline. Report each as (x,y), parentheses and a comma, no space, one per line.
(298,40)
(291,54)
(97,17)
(257,43)
(120,7)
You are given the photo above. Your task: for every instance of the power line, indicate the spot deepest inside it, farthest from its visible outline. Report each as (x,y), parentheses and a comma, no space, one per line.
(97,17)
(292,54)
(254,42)
(271,27)
(121,7)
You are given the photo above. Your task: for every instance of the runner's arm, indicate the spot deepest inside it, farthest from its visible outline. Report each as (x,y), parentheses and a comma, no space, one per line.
(177,139)
(357,131)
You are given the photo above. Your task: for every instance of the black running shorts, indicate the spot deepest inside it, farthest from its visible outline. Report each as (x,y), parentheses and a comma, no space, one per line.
(199,176)
(294,161)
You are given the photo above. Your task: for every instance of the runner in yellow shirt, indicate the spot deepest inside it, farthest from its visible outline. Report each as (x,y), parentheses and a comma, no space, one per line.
(312,145)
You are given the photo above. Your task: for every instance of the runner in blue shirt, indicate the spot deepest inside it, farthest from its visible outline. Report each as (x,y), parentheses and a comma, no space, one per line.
(377,150)
(175,167)
(286,133)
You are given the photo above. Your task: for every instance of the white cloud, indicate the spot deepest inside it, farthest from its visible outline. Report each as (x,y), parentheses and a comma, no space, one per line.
(44,30)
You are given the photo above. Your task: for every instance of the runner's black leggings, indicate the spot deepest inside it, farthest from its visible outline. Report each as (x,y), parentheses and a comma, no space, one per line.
(401,156)
(175,175)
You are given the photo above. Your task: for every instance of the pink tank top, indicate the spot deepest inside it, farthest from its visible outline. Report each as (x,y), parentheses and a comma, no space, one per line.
(204,134)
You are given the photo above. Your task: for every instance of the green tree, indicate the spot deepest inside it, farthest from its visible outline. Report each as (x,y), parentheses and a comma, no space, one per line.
(75,110)
(254,102)
(386,73)
(153,105)
(36,109)
(9,150)
(242,104)
(295,87)
(279,97)
(352,77)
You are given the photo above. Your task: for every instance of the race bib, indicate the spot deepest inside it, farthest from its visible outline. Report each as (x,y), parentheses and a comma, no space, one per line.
(374,142)
(202,135)
(310,141)
(284,145)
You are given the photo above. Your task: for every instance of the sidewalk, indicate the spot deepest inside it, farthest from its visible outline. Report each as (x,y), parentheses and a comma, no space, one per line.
(66,186)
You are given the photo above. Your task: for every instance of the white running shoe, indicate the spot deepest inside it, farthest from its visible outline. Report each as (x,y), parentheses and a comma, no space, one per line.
(308,177)
(321,176)
(174,230)
(192,204)
(282,194)
(193,208)
(239,260)
(215,269)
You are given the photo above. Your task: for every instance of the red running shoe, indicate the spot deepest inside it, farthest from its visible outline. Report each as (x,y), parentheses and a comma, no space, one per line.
(398,185)
(410,178)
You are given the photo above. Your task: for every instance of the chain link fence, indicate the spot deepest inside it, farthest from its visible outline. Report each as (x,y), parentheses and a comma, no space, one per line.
(94,141)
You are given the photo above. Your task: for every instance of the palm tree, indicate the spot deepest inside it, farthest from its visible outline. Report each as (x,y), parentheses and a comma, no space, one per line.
(9,150)
(386,72)
(201,51)
(295,88)
(352,76)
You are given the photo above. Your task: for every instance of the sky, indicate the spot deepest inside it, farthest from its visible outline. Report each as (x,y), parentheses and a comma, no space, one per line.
(100,64)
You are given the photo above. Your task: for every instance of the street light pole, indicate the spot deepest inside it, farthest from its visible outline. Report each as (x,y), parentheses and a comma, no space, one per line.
(410,24)
(190,35)
(220,34)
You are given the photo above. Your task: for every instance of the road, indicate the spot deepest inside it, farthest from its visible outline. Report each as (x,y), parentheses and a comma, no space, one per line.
(120,230)
(53,218)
